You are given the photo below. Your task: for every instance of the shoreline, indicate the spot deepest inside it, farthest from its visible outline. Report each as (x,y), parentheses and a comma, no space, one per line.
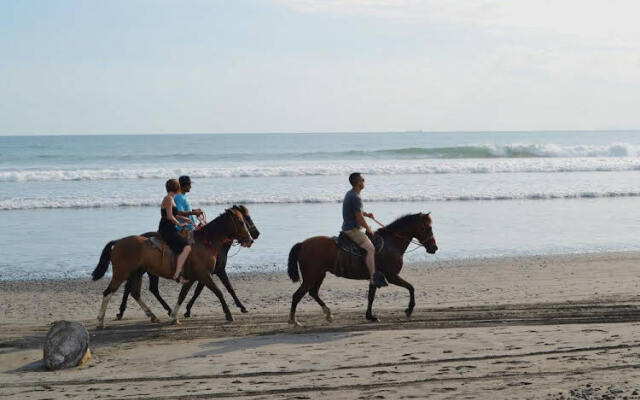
(549,327)
(499,280)
(431,263)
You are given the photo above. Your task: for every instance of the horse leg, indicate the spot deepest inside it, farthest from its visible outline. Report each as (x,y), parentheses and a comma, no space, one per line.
(222,274)
(297,296)
(106,296)
(153,288)
(196,294)
(183,294)
(396,280)
(206,278)
(136,284)
(372,295)
(125,296)
(313,292)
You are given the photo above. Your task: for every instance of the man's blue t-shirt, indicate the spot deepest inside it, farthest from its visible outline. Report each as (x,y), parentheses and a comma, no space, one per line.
(351,203)
(182,204)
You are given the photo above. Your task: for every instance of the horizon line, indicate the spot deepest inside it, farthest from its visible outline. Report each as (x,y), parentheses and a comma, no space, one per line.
(316,133)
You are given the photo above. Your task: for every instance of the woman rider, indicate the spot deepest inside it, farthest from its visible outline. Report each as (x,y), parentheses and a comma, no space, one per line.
(168,231)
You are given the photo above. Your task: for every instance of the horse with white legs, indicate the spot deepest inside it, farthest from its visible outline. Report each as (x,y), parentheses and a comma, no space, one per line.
(133,255)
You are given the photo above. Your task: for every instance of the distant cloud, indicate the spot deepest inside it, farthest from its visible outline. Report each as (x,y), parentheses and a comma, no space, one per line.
(613,22)
(598,38)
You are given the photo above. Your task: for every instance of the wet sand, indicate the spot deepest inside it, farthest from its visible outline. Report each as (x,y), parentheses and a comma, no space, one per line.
(527,327)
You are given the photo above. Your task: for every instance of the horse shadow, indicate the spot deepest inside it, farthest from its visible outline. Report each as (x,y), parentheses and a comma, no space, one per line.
(255,342)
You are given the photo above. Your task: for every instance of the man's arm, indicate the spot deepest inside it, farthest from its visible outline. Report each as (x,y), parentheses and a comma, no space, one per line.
(195,212)
(362,222)
(184,209)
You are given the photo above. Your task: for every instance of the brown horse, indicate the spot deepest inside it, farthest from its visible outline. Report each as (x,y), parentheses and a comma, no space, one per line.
(133,255)
(219,271)
(317,255)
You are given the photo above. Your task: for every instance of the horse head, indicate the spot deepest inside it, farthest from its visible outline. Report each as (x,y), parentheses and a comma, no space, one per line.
(247,219)
(237,228)
(425,235)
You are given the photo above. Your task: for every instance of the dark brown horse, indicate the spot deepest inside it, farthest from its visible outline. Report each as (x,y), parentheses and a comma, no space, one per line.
(219,270)
(317,255)
(133,255)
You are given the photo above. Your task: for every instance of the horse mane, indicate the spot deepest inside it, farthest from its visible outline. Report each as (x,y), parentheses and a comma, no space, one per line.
(401,223)
(211,227)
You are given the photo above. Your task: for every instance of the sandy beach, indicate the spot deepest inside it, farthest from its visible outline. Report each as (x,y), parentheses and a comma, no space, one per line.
(521,327)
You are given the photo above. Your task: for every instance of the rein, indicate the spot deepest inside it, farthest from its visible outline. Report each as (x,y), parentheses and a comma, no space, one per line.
(203,221)
(202,218)
(411,240)
(204,240)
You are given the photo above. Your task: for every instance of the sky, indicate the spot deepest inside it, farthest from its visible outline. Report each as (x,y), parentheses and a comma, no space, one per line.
(158,66)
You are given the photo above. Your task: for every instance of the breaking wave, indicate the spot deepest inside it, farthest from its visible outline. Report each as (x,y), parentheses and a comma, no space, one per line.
(384,167)
(53,203)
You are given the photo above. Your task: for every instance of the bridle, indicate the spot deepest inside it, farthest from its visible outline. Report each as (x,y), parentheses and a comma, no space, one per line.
(236,229)
(418,243)
(235,224)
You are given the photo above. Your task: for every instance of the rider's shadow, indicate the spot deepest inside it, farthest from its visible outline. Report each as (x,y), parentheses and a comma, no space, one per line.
(256,342)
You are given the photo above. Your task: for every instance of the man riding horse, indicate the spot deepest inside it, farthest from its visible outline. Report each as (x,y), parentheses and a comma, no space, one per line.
(353,222)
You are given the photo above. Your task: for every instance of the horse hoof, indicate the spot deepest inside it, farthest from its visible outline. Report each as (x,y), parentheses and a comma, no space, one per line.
(118,317)
(154,319)
(100,327)
(187,314)
(329,318)
(372,318)
(175,322)
(243,310)
(295,323)
(408,312)
(229,318)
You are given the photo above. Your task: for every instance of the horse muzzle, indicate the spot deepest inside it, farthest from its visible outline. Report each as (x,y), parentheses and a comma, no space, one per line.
(431,246)
(246,243)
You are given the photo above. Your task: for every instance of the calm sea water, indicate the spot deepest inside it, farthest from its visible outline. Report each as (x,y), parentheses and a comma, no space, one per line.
(491,194)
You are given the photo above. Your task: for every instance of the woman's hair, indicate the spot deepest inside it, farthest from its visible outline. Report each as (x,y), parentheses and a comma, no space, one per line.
(172,185)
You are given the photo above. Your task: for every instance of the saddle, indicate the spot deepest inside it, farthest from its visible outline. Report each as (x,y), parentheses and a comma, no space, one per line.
(351,257)
(157,242)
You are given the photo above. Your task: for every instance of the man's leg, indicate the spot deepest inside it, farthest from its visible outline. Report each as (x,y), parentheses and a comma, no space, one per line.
(363,241)
(370,258)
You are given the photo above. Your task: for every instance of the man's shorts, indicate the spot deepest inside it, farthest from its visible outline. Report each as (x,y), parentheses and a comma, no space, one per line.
(358,236)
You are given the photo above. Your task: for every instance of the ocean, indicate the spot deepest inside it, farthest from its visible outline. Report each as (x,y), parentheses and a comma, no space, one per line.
(490,193)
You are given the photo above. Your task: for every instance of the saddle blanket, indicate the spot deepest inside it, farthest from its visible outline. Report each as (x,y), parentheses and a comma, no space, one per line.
(345,243)
(350,257)
(158,243)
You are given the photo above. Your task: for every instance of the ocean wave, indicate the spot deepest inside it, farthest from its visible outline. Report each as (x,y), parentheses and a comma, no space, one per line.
(522,151)
(385,167)
(474,151)
(48,203)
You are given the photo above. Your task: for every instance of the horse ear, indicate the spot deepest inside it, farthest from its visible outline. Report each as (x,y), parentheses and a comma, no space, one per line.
(429,213)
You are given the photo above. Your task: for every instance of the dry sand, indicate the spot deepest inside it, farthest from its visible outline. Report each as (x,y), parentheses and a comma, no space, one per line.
(530,327)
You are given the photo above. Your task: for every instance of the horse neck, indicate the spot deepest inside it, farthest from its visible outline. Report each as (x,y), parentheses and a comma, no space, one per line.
(401,239)
(214,232)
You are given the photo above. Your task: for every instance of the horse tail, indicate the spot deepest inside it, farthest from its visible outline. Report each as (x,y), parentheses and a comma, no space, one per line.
(293,262)
(103,264)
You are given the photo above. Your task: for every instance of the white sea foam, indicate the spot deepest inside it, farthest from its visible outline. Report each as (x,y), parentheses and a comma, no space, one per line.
(57,203)
(555,150)
(327,168)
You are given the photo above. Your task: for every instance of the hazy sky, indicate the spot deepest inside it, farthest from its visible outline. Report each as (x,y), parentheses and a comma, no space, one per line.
(312,66)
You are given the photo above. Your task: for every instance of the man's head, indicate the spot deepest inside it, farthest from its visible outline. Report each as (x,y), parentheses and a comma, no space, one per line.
(357,181)
(185,183)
